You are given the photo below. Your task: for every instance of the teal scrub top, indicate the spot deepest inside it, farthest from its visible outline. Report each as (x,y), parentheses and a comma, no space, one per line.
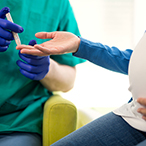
(22,99)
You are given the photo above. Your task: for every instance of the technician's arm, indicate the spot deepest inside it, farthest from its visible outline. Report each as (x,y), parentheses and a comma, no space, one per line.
(54,76)
(59,78)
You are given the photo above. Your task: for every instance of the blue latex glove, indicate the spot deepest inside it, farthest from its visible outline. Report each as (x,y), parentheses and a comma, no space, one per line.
(5,30)
(34,67)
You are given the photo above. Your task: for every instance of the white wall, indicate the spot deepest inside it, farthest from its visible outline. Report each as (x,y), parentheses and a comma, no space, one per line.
(140,19)
(111,22)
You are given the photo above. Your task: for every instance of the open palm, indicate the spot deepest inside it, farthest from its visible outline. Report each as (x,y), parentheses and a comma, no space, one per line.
(60,43)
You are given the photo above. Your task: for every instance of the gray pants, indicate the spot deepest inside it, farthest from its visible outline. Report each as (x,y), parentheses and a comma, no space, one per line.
(20,139)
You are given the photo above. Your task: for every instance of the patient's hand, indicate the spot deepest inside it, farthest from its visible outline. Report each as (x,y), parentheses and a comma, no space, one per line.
(60,43)
(142,101)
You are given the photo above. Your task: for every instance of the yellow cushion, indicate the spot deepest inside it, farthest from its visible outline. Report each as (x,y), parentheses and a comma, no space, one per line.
(60,118)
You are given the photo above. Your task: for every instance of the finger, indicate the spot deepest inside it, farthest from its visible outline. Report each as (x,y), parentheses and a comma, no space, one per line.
(3,48)
(33,76)
(45,35)
(27,49)
(10,26)
(28,68)
(142,111)
(142,101)
(19,47)
(33,61)
(4,42)
(47,51)
(30,56)
(34,52)
(27,74)
(4,11)
(32,42)
(144,117)
(6,34)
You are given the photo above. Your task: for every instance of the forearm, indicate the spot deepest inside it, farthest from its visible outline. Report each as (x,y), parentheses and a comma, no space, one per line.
(59,78)
(108,57)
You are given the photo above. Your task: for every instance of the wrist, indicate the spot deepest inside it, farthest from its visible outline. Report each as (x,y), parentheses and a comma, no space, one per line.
(78,40)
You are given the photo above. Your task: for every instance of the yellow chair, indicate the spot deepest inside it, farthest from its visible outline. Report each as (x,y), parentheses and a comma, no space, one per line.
(85,116)
(60,118)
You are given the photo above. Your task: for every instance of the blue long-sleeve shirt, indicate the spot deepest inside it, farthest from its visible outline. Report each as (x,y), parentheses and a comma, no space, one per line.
(113,59)
(107,57)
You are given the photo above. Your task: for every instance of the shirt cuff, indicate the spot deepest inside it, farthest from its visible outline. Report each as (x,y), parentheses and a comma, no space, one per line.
(81,49)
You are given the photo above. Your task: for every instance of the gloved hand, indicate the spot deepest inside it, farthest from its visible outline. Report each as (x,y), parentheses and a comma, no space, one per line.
(5,30)
(33,67)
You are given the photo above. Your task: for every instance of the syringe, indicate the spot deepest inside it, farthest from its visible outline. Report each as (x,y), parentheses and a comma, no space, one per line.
(16,36)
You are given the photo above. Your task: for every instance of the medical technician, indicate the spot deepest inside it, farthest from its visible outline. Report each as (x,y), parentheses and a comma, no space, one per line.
(26,81)
(123,126)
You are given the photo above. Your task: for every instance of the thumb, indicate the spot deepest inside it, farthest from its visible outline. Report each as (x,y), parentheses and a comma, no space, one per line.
(3,12)
(45,35)
(32,42)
